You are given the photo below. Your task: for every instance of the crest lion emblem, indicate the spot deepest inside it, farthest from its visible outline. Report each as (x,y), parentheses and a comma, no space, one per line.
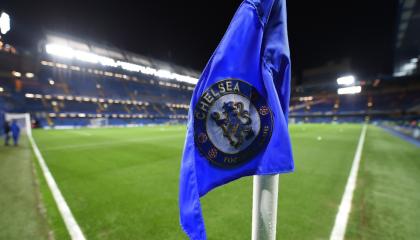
(232,123)
(235,123)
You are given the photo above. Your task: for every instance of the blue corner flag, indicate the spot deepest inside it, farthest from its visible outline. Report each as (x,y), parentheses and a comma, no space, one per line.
(237,122)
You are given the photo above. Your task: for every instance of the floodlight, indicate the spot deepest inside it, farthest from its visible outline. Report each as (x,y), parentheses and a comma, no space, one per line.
(68,52)
(129,66)
(59,50)
(1,89)
(148,70)
(409,67)
(16,74)
(106,61)
(4,23)
(414,60)
(164,73)
(349,90)
(29,75)
(86,56)
(346,80)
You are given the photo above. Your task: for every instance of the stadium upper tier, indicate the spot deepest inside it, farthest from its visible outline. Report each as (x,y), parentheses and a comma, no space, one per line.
(63,79)
(61,94)
(71,83)
(81,51)
(387,99)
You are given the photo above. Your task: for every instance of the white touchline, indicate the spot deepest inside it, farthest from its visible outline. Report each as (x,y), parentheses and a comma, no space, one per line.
(71,224)
(339,229)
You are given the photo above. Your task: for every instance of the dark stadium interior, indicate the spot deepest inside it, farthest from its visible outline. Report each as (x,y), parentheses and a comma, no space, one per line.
(62,91)
(187,32)
(107,86)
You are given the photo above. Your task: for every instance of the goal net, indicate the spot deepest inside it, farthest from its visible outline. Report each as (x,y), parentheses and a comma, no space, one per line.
(23,120)
(99,122)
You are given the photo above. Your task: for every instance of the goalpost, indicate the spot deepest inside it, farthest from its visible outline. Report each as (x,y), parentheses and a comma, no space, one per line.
(99,122)
(23,120)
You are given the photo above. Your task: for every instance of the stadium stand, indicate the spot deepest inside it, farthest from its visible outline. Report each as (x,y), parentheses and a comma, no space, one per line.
(63,91)
(381,100)
(69,82)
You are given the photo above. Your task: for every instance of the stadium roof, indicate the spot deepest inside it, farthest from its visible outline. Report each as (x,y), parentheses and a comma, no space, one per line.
(407,47)
(72,48)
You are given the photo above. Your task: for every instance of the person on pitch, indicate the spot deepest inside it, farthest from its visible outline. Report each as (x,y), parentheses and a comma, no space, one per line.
(15,132)
(6,130)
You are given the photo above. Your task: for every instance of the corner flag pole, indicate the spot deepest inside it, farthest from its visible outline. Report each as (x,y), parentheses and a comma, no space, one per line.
(264,207)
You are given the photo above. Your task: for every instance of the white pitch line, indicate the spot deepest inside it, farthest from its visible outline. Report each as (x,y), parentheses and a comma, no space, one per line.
(69,220)
(341,219)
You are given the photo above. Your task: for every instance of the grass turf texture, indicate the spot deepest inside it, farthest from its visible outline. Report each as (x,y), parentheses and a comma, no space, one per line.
(20,215)
(387,197)
(123,183)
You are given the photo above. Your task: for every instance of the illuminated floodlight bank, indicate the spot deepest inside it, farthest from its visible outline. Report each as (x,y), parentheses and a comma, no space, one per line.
(131,67)
(86,56)
(106,61)
(349,90)
(16,74)
(4,23)
(411,66)
(407,68)
(346,80)
(29,75)
(304,99)
(161,73)
(70,53)
(59,50)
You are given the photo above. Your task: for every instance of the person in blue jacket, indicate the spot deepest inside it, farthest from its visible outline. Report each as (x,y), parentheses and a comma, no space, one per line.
(15,132)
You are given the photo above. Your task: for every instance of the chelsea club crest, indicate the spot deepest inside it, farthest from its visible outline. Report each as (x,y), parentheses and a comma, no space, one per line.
(232,123)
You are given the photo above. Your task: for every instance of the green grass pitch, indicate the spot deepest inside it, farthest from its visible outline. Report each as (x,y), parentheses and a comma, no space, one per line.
(122,183)
(387,199)
(20,217)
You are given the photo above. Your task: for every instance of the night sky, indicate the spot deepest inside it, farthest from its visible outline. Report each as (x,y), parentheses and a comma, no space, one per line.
(187,32)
